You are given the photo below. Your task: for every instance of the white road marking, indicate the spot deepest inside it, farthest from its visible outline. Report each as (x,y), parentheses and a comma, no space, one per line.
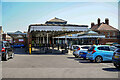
(107,64)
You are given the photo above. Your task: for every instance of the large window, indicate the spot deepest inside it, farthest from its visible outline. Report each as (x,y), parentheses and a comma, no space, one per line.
(113,33)
(102,33)
(108,34)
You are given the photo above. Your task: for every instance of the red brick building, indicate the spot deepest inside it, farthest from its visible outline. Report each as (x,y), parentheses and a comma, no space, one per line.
(111,34)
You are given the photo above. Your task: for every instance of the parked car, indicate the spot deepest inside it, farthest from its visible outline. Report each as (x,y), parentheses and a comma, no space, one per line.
(99,53)
(116,58)
(18,45)
(73,46)
(118,46)
(78,50)
(0,49)
(83,54)
(6,51)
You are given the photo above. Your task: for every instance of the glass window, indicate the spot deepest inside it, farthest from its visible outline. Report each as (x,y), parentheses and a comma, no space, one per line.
(113,33)
(102,33)
(113,48)
(85,47)
(118,50)
(91,48)
(101,48)
(106,48)
(75,47)
(108,34)
(6,44)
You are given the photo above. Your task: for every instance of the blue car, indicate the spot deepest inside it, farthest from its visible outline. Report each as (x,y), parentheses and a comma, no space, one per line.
(99,53)
(83,54)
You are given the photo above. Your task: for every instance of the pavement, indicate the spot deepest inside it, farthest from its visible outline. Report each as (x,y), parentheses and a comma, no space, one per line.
(55,66)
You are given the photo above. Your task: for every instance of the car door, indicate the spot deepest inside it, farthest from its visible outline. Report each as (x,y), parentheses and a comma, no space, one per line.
(112,49)
(107,53)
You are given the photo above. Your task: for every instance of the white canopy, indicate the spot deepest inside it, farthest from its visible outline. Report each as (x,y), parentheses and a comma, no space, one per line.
(57,28)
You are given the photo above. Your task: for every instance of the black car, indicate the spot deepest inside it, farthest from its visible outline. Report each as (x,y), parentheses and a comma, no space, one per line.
(6,50)
(116,58)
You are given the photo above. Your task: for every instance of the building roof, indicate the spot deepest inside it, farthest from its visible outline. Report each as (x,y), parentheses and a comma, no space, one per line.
(59,25)
(106,27)
(56,20)
(103,27)
(88,34)
(57,28)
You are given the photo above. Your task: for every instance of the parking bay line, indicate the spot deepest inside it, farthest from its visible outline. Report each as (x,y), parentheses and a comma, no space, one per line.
(106,64)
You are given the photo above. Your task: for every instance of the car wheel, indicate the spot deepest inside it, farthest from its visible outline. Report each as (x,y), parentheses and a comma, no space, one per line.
(76,56)
(91,60)
(84,58)
(12,56)
(117,65)
(6,57)
(98,59)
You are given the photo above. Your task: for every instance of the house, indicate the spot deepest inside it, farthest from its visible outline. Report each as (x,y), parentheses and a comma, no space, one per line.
(104,28)
(18,37)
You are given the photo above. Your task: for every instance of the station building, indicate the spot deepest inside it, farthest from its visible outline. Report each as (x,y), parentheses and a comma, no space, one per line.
(47,35)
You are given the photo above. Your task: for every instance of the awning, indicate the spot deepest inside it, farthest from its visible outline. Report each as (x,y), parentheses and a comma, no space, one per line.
(57,28)
(86,36)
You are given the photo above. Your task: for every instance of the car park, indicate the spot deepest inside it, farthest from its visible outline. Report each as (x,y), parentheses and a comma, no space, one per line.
(6,51)
(116,58)
(99,53)
(79,50)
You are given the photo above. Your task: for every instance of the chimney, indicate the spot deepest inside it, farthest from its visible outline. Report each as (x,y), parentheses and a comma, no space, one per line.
(107,21)
(98,21)
(92,24)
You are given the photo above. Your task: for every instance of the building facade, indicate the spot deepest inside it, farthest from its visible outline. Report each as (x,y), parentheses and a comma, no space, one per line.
(42,35)
(18,37)
(104,28)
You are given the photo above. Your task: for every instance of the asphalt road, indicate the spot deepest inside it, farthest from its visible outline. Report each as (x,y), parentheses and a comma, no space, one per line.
(55,66)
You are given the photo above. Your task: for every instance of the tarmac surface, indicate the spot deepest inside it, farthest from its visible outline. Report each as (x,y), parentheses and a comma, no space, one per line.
(55,66)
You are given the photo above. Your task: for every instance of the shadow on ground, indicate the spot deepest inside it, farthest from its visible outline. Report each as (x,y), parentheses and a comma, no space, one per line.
(21,51)
(81,60)
(111,69)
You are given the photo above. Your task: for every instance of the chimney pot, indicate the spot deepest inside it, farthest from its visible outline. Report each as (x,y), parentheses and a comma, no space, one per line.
(92,24)
(107,21)
(98,21)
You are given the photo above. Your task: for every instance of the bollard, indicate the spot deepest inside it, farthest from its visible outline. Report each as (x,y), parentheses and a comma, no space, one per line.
(29,48)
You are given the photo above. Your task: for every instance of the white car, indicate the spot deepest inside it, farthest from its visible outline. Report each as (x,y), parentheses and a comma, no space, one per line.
(78,48)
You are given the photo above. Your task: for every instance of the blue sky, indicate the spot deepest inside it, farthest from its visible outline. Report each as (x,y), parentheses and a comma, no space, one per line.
(19,15)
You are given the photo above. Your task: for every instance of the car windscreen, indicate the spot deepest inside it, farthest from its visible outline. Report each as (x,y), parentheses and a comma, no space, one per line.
(85,47)
(75,47)
(113,48)
(6,44)
(118,50)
